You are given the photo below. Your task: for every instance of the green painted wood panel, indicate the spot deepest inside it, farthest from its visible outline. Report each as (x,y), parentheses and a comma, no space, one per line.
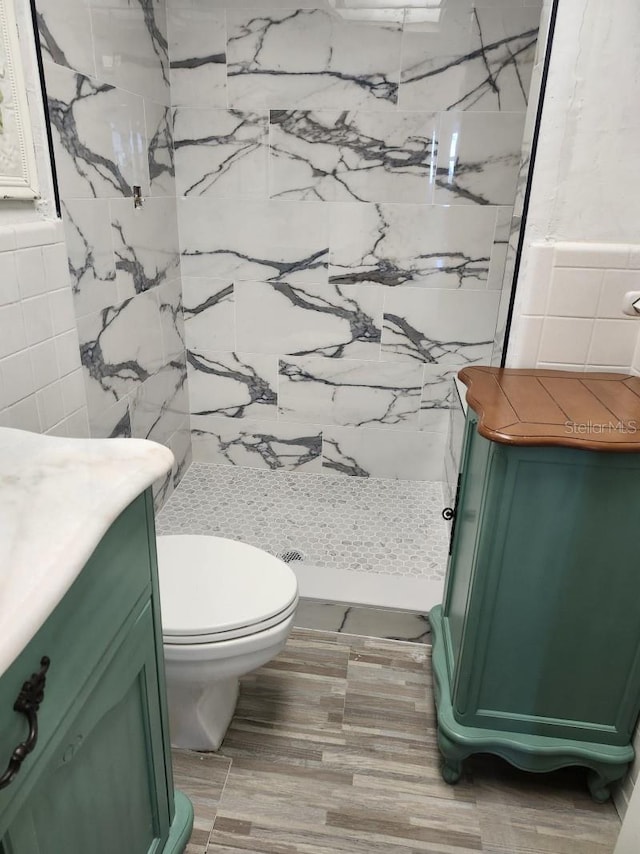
(98,792)
(540,617)
(110,591)
(471,503)
(556,646)
(100,779)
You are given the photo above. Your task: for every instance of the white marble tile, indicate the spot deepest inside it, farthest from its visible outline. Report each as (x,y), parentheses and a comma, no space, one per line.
(130,46)
(145,244)
(120,348)
(169,296)
(258,444)
(233,385)
(256,5)
(99,136)
(352,156)
(87,228)
(159,404)
(346,392)
(438,398)
(446,327)
(383,453)
(323,320)
(221,153)
(433,246)
(180,445)
(65,33)
(159,125)
(209,314)
(484,62)
(310,58)
(197,53)
(357,536)
(367,622)
(478,158)
(500,247)
(111,423)
(254,240)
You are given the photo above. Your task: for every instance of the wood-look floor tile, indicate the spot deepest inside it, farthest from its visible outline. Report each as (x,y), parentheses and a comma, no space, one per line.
(523,830)
(201,776)
(333,751)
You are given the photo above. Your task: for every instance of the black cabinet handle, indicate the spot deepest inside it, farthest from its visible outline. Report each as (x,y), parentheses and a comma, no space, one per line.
(27,703)
(448,514)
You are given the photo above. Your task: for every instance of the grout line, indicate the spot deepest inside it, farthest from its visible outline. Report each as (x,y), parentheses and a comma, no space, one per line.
(224,786)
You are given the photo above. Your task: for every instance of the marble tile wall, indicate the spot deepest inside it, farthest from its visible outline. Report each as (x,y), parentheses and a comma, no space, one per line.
(108,86)
(346,178)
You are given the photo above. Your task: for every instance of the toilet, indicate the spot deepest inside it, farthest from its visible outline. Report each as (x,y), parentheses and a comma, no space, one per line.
(227,608)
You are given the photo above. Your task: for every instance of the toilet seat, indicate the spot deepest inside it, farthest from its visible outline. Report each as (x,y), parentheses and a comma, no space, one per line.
(213,589)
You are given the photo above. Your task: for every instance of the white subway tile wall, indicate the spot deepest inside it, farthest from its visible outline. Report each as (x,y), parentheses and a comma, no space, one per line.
(41,384)
(572,308)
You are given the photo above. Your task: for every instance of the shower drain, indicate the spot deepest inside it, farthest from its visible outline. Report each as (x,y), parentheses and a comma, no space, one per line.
(291,556)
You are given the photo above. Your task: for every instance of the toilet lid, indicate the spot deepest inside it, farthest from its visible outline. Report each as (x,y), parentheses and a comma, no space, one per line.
(211,586)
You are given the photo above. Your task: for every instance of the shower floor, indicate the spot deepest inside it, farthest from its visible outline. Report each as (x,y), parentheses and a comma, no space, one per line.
(366,541)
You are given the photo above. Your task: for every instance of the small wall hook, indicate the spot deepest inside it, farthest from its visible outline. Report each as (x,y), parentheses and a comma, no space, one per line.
(138,200)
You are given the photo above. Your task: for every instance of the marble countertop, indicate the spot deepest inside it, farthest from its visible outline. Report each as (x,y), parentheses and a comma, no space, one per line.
(58,497)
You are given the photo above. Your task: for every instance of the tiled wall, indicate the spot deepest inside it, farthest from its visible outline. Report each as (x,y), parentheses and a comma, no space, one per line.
(346,191)
(41,386)
(510,246)
(571,306)
(107,79)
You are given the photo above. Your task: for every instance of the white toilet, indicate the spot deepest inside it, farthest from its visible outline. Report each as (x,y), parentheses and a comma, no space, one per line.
(227,608)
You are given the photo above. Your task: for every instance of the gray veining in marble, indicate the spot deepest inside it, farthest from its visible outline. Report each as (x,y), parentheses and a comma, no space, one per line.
(96,127)
(439,326)
(233,385)
(222,153)
(352,156)
(349,392)
(305,58)
(254,240)
(299,319)
(481,60)
(258,444)
(397,245)
(161,155)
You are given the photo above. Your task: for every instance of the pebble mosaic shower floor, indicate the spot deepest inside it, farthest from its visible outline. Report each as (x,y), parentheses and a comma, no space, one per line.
(364,525)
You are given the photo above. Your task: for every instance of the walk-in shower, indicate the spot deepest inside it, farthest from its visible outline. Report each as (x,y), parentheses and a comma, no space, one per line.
(329,194)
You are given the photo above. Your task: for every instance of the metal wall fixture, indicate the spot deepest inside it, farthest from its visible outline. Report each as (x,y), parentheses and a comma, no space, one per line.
(138,200)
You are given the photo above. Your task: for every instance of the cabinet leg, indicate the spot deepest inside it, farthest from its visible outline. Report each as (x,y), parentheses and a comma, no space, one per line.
(451,770)
(599,786)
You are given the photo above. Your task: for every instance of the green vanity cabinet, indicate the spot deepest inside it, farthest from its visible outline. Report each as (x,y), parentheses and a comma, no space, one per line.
(537,644)
(99,778)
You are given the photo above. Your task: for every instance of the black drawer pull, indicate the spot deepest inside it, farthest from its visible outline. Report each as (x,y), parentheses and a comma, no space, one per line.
(448,514)
(28,703)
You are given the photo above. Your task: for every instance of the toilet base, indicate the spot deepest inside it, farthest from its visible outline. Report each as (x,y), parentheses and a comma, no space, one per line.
(199,715)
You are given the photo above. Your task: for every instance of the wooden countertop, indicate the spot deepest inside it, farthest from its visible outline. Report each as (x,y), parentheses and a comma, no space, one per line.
(592,411)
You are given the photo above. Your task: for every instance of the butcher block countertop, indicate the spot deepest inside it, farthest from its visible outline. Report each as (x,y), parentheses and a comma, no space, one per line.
(592,411)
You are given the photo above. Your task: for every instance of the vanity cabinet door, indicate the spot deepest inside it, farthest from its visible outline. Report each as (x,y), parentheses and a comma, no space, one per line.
(105,789)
